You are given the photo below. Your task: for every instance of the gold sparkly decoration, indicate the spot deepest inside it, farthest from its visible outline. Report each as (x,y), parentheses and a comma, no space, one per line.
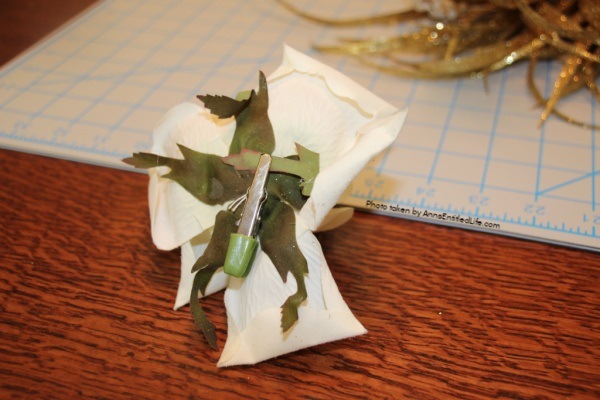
(458,38)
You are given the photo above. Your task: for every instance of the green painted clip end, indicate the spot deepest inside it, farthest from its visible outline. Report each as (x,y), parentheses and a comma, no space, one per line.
(240,255)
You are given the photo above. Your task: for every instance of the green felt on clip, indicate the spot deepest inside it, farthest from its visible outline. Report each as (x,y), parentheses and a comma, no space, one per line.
(243,244)
(240,255)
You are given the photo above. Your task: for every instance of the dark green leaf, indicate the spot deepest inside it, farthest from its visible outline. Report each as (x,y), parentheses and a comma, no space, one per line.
(286,188)
(253,128)
(310,167)
(289,309)
(216,251)
(205,176)
(278,240)
(200,319)
(223,106)
(146,160)
(207,265)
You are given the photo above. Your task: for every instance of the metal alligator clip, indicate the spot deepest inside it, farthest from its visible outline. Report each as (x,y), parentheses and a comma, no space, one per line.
(243,244)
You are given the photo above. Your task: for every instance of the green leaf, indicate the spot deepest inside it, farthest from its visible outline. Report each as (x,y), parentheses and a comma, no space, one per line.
(146,160)
(206,266)
(200,319)
(289,309)
(223,106)
(286,188)
(216,251)
(310,168)
(278,240)
(306,165)
(205,176)
(253,128)
(243,95)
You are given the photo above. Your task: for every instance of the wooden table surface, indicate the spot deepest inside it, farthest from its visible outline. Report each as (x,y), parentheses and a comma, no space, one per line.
(86,298)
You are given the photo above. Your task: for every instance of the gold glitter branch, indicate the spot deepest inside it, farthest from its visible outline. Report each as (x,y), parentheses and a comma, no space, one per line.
(458,38)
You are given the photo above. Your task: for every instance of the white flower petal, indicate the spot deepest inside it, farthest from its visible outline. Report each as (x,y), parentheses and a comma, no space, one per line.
(254,309)
(319,121)
(192,126)
(332,181)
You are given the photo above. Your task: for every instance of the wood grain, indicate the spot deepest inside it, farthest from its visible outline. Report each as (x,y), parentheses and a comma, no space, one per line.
(25,22)
(86,302)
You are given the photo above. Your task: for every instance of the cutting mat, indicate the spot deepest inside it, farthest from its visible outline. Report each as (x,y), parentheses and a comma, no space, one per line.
(467,157)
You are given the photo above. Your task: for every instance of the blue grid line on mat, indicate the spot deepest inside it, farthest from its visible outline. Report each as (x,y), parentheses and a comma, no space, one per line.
(445,128)
(493,132)
(100,98)
(159,82)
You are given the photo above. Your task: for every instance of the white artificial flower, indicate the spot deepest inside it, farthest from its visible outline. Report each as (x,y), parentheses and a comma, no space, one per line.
(325,112)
